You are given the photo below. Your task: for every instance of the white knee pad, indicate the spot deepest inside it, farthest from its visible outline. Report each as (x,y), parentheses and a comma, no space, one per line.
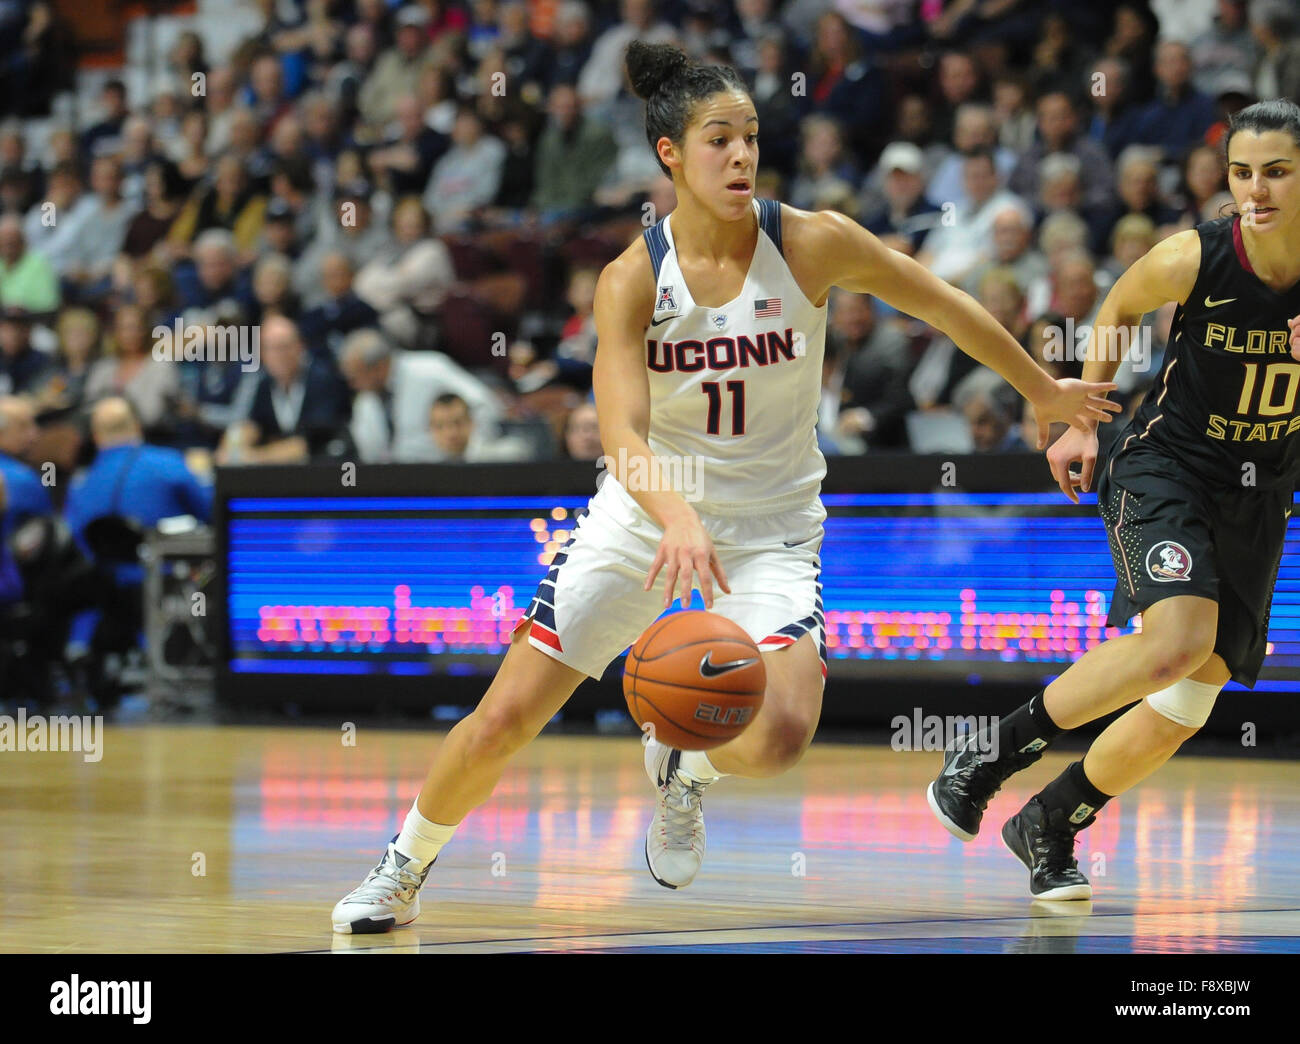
(1186,702)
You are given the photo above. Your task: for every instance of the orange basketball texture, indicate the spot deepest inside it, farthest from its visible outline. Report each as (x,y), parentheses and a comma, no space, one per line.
(686,678)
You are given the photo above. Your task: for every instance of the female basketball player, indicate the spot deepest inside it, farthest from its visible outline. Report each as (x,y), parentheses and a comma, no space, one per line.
(1196,499)
(711,329)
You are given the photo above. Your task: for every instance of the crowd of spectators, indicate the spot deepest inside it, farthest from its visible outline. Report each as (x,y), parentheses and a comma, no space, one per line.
(405,208)
(386,220)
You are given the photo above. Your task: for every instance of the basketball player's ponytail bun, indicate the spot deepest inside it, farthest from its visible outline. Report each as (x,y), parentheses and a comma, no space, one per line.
(672,85)
(650,66)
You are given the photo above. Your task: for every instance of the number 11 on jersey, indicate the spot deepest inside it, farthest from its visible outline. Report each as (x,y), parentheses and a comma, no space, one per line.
(714,391)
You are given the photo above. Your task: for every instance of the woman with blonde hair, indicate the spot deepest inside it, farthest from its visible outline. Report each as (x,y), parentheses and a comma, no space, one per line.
(79,334)
(131,370)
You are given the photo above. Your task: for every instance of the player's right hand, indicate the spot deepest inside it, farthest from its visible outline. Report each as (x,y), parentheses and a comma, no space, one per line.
(684,550)
(1074,445)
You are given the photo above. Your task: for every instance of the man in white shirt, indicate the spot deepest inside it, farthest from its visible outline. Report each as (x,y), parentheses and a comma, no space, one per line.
(54,230)
(964,237)
(394,393)
(100,239)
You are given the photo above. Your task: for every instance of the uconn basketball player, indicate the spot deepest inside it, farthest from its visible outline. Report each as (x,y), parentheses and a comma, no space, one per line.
(711,329)
(1196,498)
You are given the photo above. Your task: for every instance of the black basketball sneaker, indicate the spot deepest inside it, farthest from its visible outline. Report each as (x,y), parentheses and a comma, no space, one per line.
(965,786)
(1045,844)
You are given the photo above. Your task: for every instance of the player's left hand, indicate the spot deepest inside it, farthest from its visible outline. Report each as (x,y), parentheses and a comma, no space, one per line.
(1080,404)
(1295,336)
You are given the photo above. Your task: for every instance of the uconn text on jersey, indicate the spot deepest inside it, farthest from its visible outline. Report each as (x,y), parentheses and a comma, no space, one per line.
(724,353)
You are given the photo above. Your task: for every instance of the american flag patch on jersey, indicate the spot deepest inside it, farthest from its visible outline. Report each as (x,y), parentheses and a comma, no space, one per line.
(766,307)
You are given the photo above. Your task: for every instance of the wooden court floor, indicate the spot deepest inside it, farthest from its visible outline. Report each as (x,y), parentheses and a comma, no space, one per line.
(220,839)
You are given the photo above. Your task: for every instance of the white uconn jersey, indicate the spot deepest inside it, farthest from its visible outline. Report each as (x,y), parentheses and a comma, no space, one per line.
(737,388)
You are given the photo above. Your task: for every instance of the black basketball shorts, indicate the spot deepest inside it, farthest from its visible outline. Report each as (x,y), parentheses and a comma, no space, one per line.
(1172,534)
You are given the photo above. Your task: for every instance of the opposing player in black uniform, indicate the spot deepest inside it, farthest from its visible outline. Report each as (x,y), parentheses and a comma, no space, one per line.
(1195,497)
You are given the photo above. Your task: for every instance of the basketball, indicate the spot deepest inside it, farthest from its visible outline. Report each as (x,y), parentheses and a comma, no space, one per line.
(694,680)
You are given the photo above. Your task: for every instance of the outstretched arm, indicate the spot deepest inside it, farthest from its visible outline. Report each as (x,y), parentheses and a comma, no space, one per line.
(858,261)
(1167,272)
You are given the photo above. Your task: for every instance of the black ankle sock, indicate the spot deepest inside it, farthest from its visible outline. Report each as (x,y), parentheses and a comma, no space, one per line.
(1074,795)
(1029,727)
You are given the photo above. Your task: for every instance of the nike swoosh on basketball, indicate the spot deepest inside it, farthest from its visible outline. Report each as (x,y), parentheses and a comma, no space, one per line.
(709,669)
(1215,304)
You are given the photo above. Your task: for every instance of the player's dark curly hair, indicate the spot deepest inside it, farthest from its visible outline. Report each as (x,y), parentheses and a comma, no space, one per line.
(1276,114)
(671,85)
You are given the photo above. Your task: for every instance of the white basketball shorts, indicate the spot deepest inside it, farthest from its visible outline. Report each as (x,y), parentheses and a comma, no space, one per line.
(591,606)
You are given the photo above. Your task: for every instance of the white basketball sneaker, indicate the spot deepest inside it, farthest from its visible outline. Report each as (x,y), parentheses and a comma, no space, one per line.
(674,844)
(388,897)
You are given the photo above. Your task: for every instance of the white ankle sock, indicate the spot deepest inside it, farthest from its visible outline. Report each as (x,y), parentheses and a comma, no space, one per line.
(696,764)
(421,839)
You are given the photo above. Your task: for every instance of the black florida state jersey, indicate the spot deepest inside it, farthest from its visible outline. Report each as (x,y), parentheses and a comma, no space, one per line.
(1224,403)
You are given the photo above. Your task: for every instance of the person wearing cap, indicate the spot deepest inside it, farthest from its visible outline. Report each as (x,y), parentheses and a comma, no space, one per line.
(396,73)
(27,279)
(279,231)
(908,215)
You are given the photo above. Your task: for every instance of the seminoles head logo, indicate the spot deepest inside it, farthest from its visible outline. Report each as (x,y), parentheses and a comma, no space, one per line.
(1169,561)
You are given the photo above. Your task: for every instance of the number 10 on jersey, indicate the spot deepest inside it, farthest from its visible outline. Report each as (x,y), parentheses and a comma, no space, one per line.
(713,390)
(1266,403)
